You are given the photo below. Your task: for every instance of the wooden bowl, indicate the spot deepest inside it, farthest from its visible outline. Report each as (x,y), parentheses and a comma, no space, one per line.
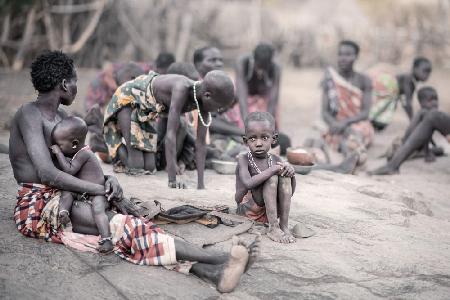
(224,167)
(299,156)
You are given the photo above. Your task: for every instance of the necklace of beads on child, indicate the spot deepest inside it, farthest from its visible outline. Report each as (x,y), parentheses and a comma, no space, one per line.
(253,164)
(198,108)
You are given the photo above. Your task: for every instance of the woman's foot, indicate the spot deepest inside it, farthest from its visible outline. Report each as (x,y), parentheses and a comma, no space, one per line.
(64,217)
(233,268)
(105,246)
(384,170)
(253,249)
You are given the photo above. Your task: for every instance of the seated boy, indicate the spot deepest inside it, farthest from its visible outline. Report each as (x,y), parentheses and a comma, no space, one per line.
(136,104)
(428,100)
(264,183)
(75,158)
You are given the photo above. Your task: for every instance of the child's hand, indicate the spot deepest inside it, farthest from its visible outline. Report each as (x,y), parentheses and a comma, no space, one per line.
(55,149)
(276,169)
(286,169)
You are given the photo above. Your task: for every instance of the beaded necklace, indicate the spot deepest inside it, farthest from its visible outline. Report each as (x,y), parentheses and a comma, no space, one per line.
(198,108)
(253,164)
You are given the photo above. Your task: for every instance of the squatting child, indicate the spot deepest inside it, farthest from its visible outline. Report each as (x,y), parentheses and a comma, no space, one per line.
(264,183)
(75,158)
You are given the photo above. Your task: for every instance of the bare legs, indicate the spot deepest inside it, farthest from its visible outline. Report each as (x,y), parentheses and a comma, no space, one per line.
(131,157)
(65,206)
(224,270)
(102,222)
(275,194)
(434,120)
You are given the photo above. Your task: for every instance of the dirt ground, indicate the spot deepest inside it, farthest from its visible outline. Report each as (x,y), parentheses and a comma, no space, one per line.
(376,237)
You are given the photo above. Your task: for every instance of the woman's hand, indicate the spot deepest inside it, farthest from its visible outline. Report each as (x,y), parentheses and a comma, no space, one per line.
(113,190)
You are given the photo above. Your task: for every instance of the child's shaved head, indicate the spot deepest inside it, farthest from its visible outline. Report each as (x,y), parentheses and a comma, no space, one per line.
(70,128)
(259,116)
(428,98)
(220,86)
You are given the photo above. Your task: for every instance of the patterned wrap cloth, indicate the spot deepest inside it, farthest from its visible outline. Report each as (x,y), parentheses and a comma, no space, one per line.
(136,94)
(346,102)
(385,96)
(36,212)
(136,240)
(250,209)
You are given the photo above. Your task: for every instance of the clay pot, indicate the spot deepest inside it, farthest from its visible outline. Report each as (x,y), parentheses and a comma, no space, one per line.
(299,156)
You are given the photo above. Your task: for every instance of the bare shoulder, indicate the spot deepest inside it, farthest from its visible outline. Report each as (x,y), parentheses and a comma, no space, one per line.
(242,159)
(28,112)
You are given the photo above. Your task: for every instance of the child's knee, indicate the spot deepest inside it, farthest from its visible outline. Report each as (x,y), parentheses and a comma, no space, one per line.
(285,184)
(272,181)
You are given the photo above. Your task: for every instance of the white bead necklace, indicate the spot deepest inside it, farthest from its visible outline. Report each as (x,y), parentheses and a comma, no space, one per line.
(253,164)
(198,108)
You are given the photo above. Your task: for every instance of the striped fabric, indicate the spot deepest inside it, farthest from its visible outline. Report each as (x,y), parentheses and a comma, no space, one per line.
(28,214)
(141,242)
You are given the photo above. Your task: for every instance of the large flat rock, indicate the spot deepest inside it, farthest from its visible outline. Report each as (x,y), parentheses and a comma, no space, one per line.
(376,237)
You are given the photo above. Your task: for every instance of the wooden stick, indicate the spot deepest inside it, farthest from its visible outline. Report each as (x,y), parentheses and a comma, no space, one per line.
(75,47)
(27,35)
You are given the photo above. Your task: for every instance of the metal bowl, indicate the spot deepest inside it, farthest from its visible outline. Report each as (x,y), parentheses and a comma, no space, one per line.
(224,167)
(303,170)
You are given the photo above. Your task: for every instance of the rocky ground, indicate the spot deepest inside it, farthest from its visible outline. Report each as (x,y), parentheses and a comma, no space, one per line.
(376,237)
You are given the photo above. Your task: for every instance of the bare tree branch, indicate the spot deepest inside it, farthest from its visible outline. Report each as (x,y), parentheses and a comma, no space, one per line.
(75,47)
(66,37)
(49,27)
(6,27)
(77,8)
(136,38)
(185,34)
(27,35)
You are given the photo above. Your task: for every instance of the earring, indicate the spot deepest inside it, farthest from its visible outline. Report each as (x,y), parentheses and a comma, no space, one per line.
(74,147)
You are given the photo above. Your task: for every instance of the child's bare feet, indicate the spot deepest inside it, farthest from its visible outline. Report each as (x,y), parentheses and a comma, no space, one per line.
(288,234)
(234,268)
(349,164)
(63,217)
(277,235)
(105,247)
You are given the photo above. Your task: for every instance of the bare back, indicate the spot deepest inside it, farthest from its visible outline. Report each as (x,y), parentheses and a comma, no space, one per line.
(23,167)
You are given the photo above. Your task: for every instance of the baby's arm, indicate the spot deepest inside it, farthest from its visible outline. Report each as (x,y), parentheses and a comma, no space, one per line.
(250,182)
(70,167)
